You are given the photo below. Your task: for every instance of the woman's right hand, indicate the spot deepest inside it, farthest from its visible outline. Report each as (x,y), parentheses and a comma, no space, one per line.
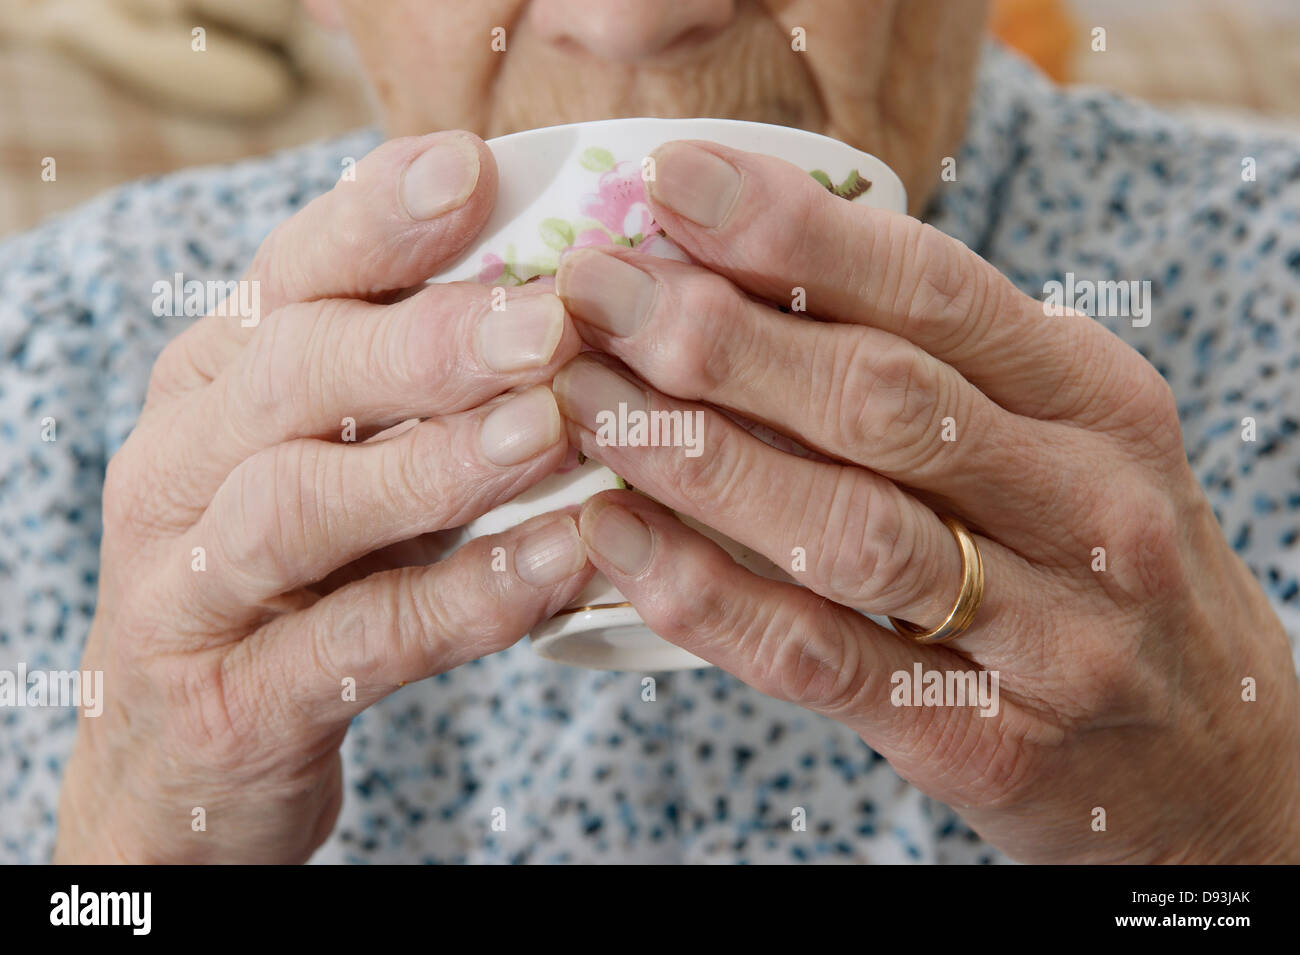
(238,626)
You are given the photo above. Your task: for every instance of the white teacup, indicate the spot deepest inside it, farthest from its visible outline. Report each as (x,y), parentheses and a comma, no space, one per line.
(572,186)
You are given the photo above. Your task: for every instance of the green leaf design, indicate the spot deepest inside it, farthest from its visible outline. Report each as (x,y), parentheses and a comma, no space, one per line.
(556,233)
(546,263)
(596,159)
(854,185)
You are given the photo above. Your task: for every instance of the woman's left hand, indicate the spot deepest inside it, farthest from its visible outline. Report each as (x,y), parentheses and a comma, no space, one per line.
(1126,634)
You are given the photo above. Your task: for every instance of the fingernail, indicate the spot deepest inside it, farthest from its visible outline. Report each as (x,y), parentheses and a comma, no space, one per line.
(606,292)
(522,428)
(619,536)
(523,335)
(585,388)
(440,179)
(694,183)
(551,553)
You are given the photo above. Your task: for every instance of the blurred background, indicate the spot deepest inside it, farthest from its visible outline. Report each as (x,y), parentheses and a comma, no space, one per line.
(110,88)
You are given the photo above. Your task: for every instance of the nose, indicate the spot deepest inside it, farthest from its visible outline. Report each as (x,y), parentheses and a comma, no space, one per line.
(629,30)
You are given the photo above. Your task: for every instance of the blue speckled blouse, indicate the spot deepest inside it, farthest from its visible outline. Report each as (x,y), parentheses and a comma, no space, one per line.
(1049,182)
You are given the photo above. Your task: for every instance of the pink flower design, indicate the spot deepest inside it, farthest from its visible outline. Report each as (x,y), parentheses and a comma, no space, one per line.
(591,237)
(491,268)
(619,204)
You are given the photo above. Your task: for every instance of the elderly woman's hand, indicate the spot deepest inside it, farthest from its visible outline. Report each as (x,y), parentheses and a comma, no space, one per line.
(1142,671)
(239,625)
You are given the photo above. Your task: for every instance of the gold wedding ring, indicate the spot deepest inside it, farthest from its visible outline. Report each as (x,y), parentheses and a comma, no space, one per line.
(968,601)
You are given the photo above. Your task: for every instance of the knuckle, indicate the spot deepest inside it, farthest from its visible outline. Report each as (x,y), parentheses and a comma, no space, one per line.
(1120,392)
(786,647)
(1145,563)
(1160,400)
(1112,684)
(425,346)
(713,479)
(277,264)
(121,499)
(138,496)
(714,615)
(814,669)
(1115,679)
(215,721)
(888,399)
(262,370)
(1004,768)
(469,611)
(995,764)
(868,555)
(410,481)
(138,612)
(298,496)
(173,365)
(355,640)
(409,345)
(798,238)
(269,504)
(422,622)
(277,362)
(693,355)
(484,610)
(941,284)
(326,358)
(1154,417)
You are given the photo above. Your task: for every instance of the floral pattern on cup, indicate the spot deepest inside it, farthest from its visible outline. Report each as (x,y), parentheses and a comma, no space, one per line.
(617,213)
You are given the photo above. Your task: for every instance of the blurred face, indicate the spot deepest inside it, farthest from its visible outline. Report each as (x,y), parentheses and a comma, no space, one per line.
(891,77)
